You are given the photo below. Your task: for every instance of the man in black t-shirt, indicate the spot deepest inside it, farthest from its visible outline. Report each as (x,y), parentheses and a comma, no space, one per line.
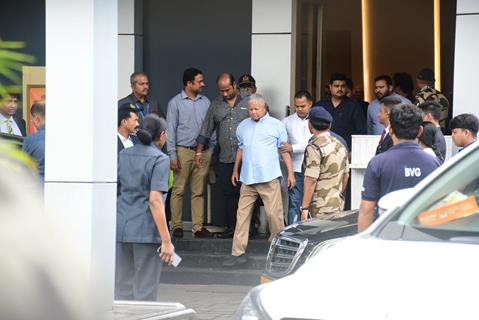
(402,166)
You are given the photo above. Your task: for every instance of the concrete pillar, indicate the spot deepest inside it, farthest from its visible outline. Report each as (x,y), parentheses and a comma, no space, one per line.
(466,65)
(271,49)
(81,81)
(130,43)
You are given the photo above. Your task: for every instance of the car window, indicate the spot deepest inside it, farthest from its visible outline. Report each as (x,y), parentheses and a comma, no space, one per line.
(447,209)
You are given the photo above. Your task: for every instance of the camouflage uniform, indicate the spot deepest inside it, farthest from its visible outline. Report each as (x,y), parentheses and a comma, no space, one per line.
(326,159)
(430,94)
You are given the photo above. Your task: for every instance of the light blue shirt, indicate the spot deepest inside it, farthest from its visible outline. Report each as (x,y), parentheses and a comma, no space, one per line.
(185,118)
(374,126)
(260,141)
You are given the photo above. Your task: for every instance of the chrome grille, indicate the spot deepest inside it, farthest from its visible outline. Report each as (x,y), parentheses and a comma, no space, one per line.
(283,254)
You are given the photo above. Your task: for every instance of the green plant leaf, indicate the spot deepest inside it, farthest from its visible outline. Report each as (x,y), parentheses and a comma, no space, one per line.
(12,44)
(11,63)
(9,74)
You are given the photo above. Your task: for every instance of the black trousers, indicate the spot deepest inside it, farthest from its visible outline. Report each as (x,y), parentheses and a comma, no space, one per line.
(229,193)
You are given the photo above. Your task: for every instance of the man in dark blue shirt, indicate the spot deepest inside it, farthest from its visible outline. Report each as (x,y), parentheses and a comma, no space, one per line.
(34,145)
(348,118)
(402,166)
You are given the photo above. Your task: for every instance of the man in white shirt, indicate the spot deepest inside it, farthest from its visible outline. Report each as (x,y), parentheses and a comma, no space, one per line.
(127,125)
(8,123)
(298,137)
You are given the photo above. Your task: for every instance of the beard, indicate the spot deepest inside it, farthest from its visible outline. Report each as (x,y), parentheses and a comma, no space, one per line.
(381,96)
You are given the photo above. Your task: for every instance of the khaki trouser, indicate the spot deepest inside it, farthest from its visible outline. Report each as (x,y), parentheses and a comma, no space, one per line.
(196,177)
(270,193)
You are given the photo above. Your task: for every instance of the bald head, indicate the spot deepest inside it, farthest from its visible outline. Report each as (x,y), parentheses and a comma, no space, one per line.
(227,86)
(38,114)
(226,76)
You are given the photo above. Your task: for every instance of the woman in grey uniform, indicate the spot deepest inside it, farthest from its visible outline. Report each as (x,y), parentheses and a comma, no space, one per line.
(141,223)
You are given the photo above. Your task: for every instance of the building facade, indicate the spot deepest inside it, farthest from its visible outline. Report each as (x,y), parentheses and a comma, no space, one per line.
(92,46)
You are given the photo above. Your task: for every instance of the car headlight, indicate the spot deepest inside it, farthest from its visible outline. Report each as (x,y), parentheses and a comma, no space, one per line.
(251,307)
(322,246)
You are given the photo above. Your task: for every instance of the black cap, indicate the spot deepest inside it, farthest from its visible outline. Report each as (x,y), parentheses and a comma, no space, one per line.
(247,80)
(426,74)
(319,114)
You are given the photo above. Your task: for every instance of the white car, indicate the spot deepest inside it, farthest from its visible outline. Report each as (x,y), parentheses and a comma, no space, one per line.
(419,260)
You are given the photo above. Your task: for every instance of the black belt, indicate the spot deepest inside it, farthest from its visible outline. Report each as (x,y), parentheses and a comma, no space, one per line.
(191,148)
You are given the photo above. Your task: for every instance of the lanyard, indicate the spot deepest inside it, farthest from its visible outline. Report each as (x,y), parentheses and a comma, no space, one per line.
(139,107)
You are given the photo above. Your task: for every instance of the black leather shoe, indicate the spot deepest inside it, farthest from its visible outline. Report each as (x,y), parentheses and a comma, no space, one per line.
(203,233)
(227,234)
(178,233)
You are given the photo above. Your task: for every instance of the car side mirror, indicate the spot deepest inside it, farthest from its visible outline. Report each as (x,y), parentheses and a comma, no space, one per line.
(394,199)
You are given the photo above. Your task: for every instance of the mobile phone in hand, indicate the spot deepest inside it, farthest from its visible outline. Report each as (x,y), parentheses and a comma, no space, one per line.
(176,260)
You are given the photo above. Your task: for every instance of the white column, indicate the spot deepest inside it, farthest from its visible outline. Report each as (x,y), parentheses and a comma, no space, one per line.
(80,176)
(130,43)
(271,46)
(466,64)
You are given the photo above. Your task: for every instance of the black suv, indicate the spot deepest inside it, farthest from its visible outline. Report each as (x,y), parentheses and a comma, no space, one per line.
(293,246)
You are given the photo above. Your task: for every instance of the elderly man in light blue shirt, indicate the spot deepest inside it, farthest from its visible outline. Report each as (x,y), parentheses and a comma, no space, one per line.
(260,139)
(383,87)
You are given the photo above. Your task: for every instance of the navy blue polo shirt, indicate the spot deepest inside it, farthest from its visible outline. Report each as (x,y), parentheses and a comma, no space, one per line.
(348,118)
(402,166)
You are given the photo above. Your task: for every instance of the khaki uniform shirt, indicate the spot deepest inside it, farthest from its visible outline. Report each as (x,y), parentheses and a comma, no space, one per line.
(326,159)
(430,94)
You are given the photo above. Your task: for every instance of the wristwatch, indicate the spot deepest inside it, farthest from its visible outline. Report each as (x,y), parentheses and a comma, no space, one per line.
(303,208)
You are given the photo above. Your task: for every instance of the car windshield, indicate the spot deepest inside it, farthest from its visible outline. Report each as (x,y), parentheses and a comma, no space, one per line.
(447,208)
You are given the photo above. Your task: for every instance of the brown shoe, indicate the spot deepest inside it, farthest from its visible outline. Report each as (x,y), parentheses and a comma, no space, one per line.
(178,233)
(203,233)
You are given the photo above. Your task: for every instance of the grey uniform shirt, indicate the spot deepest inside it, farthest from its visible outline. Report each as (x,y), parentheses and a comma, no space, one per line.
(141,169)
(225,120)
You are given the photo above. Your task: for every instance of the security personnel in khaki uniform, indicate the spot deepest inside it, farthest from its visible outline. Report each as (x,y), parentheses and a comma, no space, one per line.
(425,83)
(326,169)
